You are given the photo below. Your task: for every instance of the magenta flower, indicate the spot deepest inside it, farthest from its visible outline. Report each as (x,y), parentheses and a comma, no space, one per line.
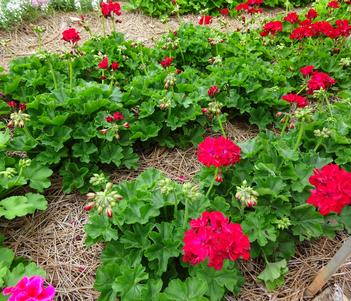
(30,289)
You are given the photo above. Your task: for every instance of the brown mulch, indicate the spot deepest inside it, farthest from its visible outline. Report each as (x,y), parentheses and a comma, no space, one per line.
(54,239)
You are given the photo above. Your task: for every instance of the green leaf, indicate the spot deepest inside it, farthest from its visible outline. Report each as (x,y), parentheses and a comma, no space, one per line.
(307,222)
(164,246)
(55,137)
(73,177)
(15,206)
(4,138)
(273,274)
(345,217)
(111,153)
(192,289)
(138,238)
(83,151)
(228,278)
(99,228)
(105,277)
(38,176)
(128,284)
(23,269)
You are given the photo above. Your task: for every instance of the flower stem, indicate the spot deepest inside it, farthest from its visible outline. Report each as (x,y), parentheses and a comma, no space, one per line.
(221,126)
(113,24)
(299,136)
(70,76)
(317,145)
(53,75)
(284,126)
(328,105)
(186,213)
(212,183)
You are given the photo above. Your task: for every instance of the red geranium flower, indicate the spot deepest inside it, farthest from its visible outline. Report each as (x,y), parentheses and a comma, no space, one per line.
(224,11)
(218,152)
(109,119)
(71,35)
(333,4)
(118,116)
(319,80)
(213,91)
(111,7)
(166,62)
(306,71)
(205,20)
(292,18)
(300,101)
(213,237)
(332,189)
(104,63)
(242,6)
(311,14)
(271,28)
(12,104)
(114,66)
(343,28)
(22,106)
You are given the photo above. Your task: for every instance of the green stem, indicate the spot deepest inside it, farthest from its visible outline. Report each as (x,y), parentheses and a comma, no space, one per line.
(113,24)
(317,145)
(186,213)
(70,76)
(212,183)
(103,75)
(182,54)
(52,71)
(217,52)
(300,134)
(18,177)
(142,62)
(103,21)
(284,126)
(303,88)
(221,126)
(328,105)
(40,42)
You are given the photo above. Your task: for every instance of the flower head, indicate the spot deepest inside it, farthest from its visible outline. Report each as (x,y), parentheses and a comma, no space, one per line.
(218,152)
(306,71)
(104,63)
(115,66)
(224,11)
(332,189)
(71,35)
(292,18)
(166,62)
(213,91)
(311,14)
(319,80)
(205,20)
(111,7)
(32,289)
(213,237)
(333,4)
(271,28)
(300,101)
(118,116)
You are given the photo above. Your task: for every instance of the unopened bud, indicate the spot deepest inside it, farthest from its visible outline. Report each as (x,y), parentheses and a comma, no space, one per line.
(278,114)
(109,185)
(103,131)
(126,125)
(291,125)
(219,178)
(89,206)
(108,212)
(91,195)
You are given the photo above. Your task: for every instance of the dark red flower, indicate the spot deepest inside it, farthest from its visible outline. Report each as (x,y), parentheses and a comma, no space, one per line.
(332,189)
(311,14)
(213,91)
(224,11)
(71,35)
(205,20)
(300,101)
(109,119)
(12,104)
(292,18)
(114,66)
(118,116)
(333,4)
(319,80)
(271,28)
(166,62)
(104,63)
(111,7)
(218,152)
(343,28)
(213,237)
(22,106)
(306,71)
(242,6)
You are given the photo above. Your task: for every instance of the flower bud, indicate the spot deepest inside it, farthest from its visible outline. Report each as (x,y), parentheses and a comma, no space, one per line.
(204,110)
(91,195)
(89,206)
(108,212)
(103,131)
(99,210)
(109,185)
(291,125)
(219,178)
(126,125)
(278,114)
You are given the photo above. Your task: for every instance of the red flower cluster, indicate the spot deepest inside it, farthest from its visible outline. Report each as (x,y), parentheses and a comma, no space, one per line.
(306,71)
(321,28)
(332,189)
(319,80)
(166,62)
(311,14)
(212,236)
(271,28)
(292,18)
(300,101)
(218,152)
(12,104)
(71,35)
(224,11)
(105,65)
(213,91)
(205,20)
(107,9)
(116,116)
(333,4)
(250,6)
